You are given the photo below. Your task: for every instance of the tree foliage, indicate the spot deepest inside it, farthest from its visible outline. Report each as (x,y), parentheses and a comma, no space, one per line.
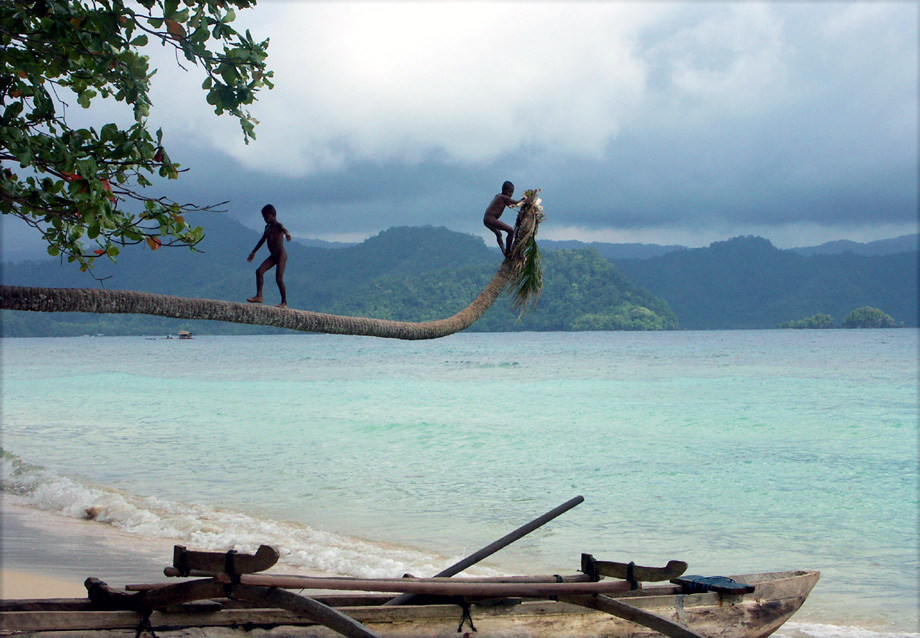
(818,321)
(746,283)
(74,184)
(868,317)
(581,291)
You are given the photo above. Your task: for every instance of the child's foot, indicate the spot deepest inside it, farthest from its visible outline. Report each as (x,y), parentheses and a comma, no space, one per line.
(256,299)
(281,305)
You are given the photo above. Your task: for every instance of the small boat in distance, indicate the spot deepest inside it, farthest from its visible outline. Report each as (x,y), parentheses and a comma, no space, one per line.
(185,334)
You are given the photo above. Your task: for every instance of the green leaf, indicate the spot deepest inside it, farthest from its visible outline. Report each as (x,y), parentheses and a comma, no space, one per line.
(95,50)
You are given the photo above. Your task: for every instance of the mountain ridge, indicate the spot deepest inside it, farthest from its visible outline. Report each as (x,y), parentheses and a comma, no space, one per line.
(422,273)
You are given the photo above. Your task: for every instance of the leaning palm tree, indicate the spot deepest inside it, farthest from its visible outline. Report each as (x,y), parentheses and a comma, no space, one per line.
(131,302)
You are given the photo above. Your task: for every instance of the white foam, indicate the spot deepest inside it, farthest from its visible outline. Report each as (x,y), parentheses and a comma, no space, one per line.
(202,527)
(817,630)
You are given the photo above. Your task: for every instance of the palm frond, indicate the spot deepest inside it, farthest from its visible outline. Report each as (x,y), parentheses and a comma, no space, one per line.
(527,278)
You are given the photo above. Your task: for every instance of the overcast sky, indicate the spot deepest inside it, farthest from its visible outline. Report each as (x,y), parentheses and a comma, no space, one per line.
(654,122)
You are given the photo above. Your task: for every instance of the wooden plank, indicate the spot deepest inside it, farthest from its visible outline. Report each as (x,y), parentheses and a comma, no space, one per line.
(304,606)
(434,615)
(104,597)
(231,562)
(29,621)
(631,571)
(502,542)
(545,578)
(628,612)
(45,604)
(436,587)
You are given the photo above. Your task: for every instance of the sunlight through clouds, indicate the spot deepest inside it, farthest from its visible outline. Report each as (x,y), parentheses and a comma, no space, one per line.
(459,81)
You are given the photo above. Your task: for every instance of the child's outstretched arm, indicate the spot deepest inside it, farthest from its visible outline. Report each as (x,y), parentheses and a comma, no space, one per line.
(511,203)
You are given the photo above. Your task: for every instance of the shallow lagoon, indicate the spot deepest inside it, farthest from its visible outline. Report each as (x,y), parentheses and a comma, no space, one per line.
(735,451)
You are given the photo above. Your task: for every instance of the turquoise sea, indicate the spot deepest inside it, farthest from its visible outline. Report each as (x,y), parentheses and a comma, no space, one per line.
(735,451)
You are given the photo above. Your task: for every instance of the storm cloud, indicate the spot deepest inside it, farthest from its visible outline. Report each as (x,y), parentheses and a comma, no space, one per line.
(666,123)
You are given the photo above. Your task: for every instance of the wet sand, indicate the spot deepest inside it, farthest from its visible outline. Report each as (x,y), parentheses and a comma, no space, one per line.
(47,556)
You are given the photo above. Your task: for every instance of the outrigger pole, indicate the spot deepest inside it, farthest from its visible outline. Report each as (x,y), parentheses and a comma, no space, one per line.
(502,542)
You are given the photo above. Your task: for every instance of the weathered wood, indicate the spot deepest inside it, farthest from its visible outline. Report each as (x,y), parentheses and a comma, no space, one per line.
(546,578)
(502,542)
(436,587)
(33,621)
(104,597)
(628,612)
(182,593)
(45,604)
(631,571)
(756,615)
(304,606)
(185,561)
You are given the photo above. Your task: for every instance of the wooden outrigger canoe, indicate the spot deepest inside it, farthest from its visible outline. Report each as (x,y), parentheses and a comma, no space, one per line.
(776,597)
(226,593)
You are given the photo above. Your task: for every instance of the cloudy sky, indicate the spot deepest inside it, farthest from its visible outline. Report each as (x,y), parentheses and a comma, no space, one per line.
(655,122)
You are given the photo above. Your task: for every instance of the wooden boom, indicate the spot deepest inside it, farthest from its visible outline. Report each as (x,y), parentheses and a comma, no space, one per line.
(429,586)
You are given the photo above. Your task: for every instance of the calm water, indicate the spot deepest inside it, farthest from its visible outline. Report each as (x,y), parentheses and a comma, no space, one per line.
(734,451)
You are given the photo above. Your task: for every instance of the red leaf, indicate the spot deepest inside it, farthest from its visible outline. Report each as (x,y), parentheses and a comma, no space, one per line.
(107,187)
(175,29)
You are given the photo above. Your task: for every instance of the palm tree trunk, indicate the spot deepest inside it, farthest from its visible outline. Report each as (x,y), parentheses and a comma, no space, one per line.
(143,303)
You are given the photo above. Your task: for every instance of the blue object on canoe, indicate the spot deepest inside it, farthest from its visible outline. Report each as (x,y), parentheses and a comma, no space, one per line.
(694,584)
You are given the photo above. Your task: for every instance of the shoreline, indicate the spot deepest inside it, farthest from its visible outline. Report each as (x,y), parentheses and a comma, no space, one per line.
(46,555)
(43,555)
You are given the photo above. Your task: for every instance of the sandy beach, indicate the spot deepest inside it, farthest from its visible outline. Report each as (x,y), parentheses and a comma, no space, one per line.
(45,555)
(48,556)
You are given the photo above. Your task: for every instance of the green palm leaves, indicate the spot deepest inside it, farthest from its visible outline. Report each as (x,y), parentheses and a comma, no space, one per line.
(526,261)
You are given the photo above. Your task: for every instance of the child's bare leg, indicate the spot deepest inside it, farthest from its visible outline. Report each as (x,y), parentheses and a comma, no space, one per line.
(496,226)
(260,279)
(501,245)
(279,279)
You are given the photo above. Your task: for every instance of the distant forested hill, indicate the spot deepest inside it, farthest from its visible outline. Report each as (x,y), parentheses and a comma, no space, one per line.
(748,283)
(415,274)
(613,251)
(581,291)
(902,244)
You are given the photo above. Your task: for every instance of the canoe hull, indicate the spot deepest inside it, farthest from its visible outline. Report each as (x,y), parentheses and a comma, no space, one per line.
(776,598)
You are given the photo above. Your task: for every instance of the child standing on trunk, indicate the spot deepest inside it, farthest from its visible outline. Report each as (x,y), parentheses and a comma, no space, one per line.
(274,236)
